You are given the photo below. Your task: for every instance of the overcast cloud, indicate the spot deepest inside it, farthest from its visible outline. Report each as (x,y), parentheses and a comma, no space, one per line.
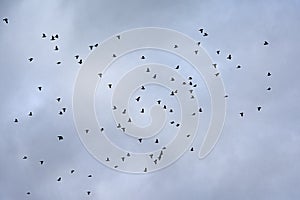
(257,156)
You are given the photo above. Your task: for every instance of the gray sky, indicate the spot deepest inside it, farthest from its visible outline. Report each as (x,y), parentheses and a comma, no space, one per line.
(257,156)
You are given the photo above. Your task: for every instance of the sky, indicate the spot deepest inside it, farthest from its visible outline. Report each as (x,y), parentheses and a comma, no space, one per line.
(257,156)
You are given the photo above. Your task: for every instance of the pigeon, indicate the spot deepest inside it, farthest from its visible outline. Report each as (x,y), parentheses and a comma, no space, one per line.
(87,130)
(201,30)
(30,59)
(56,48)
(60,137)
(16,120)
(80,61)
(88,192)
(156,141)
(143,57)
(109,85)
(138,98)
(114,55)
(58,99)
(200,109)
(229,57)
(140,140)
(30,114)
(52,38)
(56,36)
(60,113)
(91,47)
(44,35)
(40,88)
(269,74)
(158,101)
(107,159)
(41,162)
(192,149)
(76,57)
(154,76)
(266,43)
(5,20)
(64,109)
(177,67)
(205,34)
(143,87)
(218,52)
(142,110)
(242,114)
(145,170)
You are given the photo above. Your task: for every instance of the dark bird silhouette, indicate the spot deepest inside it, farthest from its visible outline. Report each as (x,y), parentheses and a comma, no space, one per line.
(242,114)
(44,35)
(76,57)
(229,57)
(60,137)
(91,47)
(56,36)
(145,170)
(200,109)
(109,85)
(269,88)
(140,140)
(30,114)
(143,87)
(16,120)
(107,159)
(40,88)
(172,122)
(59,179)
(64,109)
(147,70)
(192,149)
(119,37)
(96,45)
(52,38)
(198,43)
(158,101)
(58,99)
(30,59)
(175,46)
(269,74)
(87,130)
(114,55)
(156,141)
(138,98)
(5,20)
(28,193)
(215,65)
(218,52)
(259,108)
(100,75)
(205,34)
(90,176)
(154,76)
(142,110)
(196,52)
(56,48)
(88,192)
(58,63)
(41,162)
(238,67)
(80,61)
(72,171)
(24,157)
(201,30)
(266,43)
(60,113)
(143,57)
(217,74)
(177,67)
(123,158)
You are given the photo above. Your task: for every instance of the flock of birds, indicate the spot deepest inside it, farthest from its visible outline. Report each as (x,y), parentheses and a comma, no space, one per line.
(79,60)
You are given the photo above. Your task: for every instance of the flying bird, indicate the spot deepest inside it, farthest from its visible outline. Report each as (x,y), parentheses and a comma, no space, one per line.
(269,74)
(201,30)
(58,99)
(44,35)
(30,59)
(72,171)
(205,34)
(30,114)
(60,137)
(218,52)
(5,20)
(229,57)
(242,114)
(258,108)
(40,88)
(76,57)
(56,48)
(266,43)
(41,162)
(16,120)
(59,179)
(80,61)
(143,57)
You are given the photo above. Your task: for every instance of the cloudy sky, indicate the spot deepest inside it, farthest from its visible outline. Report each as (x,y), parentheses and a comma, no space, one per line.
(257,156)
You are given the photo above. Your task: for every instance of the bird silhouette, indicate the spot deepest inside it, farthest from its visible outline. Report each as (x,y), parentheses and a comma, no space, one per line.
(90,176)
(229,57)
(119,37)
(175,46)
(201,30)
(177,67)
(205,34)
(58,99)
(269,88)
(41,162)
(24,157)
(91,47)
(76,56)
(30,114)
(58,63)
(30,59)
(60,137)
(109,85)
(140,140)
(16,120)
(40,88)
(138,98)
(218,52)
(58,179)
(269,74)
(52,38)
(5,20)
(156,141)
(80,61)
(28,193)
(44,35)
(56,48)
(266,43)
(242,114)
(142,110)
(238,67)
(72,171)
(143,57)
(192,149)
(88,192)
(259,108)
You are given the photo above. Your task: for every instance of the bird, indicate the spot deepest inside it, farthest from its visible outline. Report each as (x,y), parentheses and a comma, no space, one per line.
(42,162)
(60,113)
(156,141)
(58,179)
(109,85)
(64,109)
(87,130)
(259,108)
(138,98)
(147,70)
(58,99)
(96,45)
(44,35)
(145,170)
(60,137)
(198,43)
(58,63)
(268,74)
(142,110)
(196,51)
(5,20)
(76,57)
(238,67)
(114,55)
(154,76)
(107,159)
(90,175)
(88,192)
(40,88)
(177,67)
(200,109)
(175,46)
(30,114)
(119,37)
(123,158)
(143,87)
(201,30)
(56,36)
(52,38)
(266,43)
(72,171)
(80,61)
(56,48)
(28,193)
(16,120)
(24,157)
(158,101)
(192,149)
(205,34)
(30,59)
(242,114)
(143,57)
(217,74)
(91,47)
(140,140)
(218,52)
(100,75)
(229,57)
(269,88)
